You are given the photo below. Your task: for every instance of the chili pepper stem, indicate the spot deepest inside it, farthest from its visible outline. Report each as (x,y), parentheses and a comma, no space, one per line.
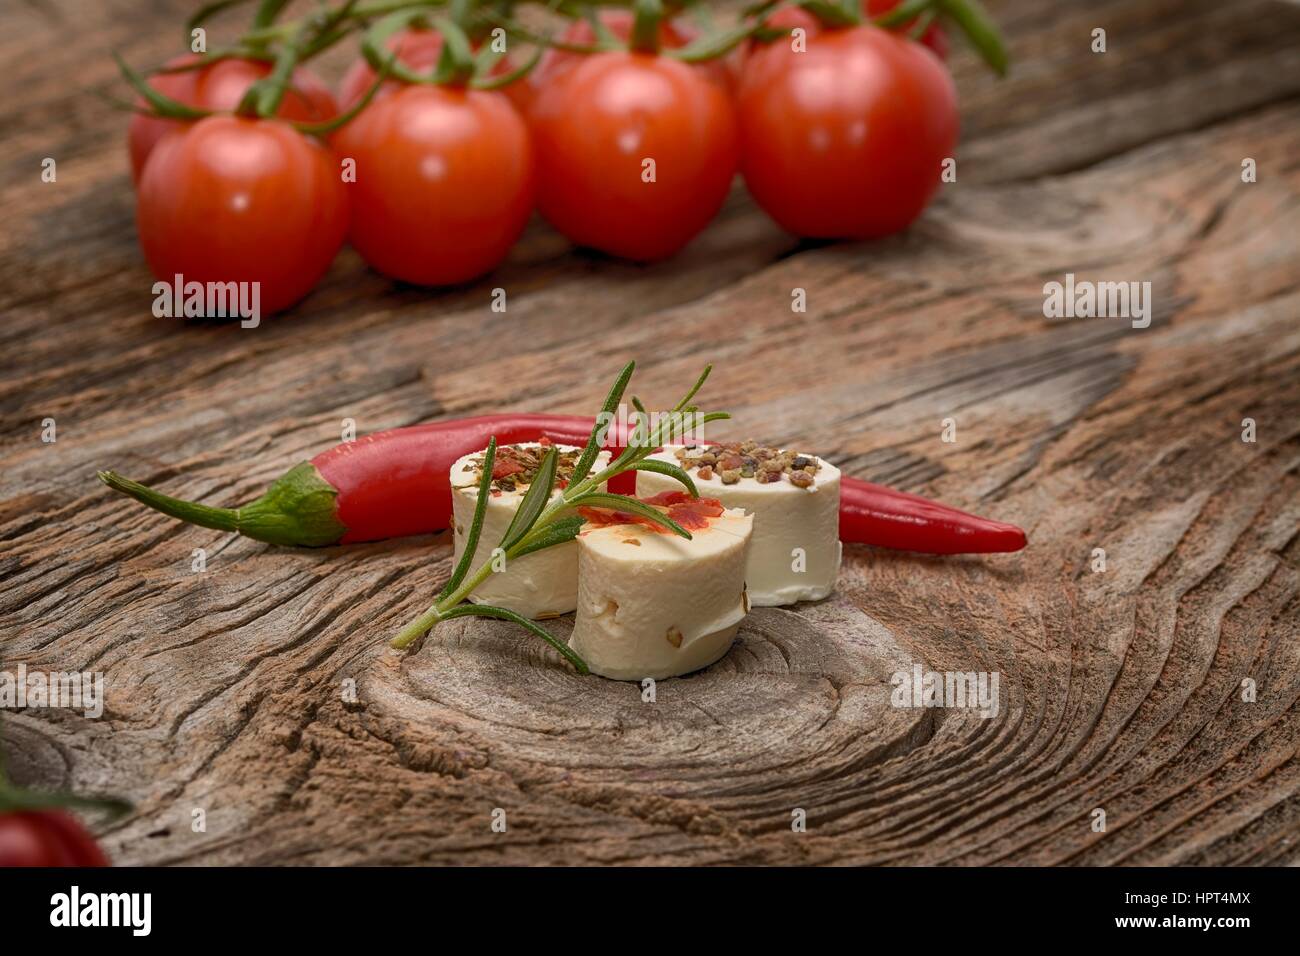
(219,519)
(300,508)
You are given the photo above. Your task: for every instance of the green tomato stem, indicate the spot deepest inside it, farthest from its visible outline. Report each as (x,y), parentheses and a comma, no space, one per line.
(645,26)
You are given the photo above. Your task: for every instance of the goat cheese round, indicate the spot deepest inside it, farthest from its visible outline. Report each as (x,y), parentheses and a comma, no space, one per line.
(652,604)
(539,585)
(795,555)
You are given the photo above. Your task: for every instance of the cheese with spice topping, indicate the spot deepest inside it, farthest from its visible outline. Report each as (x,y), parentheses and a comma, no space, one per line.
(539,585)
(795,555)
(653,604)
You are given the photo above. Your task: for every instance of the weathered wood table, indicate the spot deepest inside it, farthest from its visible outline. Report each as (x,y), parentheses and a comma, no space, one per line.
(1121,690)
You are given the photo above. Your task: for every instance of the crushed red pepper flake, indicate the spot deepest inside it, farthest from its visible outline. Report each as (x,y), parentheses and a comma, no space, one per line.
(516,466)
(693,514)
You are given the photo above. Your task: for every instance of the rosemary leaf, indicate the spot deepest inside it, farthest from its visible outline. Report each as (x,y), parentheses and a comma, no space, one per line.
(669,469)
(539,494)
(565,529)
(501,614)
(476,527)
(583,467)
(603,499)
(699,383)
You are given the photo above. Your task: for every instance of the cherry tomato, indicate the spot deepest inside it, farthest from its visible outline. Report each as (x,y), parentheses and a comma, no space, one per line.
(445,182)
(47,838)
(847,139)
(789,17)
(229,199)
(934,36)
(597,124)
(220,87)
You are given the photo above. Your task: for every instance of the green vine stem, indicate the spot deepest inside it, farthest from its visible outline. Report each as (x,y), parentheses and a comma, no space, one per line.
(286,44)
(264,97)
(647,15)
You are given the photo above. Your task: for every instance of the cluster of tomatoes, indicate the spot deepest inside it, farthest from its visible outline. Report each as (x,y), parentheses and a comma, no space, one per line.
(839,129)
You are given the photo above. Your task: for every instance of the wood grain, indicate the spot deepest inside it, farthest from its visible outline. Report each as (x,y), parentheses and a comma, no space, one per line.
(1120,690)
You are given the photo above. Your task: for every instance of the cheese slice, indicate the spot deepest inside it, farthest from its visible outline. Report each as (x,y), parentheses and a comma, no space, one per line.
(539,585)
(786,518)
(657,605)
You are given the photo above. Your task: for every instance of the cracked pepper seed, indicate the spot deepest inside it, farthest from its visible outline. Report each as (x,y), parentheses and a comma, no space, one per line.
(734,461)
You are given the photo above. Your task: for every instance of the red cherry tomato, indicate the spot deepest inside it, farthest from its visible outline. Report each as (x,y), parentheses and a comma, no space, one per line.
(47,838)
(229,199)
(595,126)
(934,36)
(847,139)
(789,17)
(445,182)
(220,87)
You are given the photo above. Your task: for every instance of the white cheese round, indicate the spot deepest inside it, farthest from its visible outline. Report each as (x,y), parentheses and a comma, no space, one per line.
(795,555)
(538,585)
(657,605)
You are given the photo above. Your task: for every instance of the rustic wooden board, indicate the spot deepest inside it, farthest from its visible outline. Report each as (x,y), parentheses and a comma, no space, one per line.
(1120,690)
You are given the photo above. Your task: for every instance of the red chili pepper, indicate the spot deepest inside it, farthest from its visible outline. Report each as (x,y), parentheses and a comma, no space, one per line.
(397,483)
(47,838)
(386,485)
(887,518)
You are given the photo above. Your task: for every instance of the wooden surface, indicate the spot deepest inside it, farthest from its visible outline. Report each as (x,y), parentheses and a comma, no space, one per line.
(1120,690)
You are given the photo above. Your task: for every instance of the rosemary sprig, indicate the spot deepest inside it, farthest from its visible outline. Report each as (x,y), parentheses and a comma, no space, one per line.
(543,521)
